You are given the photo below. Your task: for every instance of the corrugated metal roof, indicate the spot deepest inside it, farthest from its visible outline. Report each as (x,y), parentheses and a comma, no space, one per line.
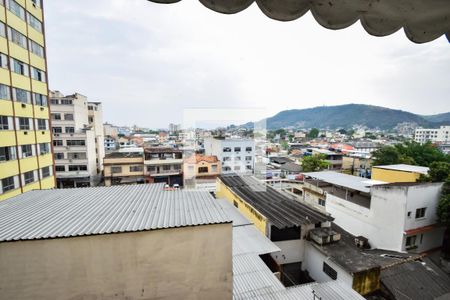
(279,209)
(248,239)
(233,213)
(335,290)
(45,214)
(349,181)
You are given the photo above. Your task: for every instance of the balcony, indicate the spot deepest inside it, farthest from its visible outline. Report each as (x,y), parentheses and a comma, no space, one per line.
(164,172)
(166,161)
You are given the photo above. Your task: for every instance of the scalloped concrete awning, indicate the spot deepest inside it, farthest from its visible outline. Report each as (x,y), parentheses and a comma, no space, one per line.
(422,20)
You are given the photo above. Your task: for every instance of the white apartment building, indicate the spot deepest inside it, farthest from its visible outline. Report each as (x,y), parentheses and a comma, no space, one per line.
(395,216)
(440,135)
(78,142)
(236,155)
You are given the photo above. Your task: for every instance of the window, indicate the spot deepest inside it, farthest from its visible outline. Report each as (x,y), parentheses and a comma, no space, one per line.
(248,158)
(321,202)
(40,99)
(57,129)
(27,151)
(8,184)
(166,167)
(54,101)
(177,167)
(115,170)
(44,148)
(36,48)
(42,124)
(68,117)
(248,149)
(329,271)
(76,143)
(411,241)
(77,168)
(28,177)
(203,169)
(213,168)
(151,168)
(91,119)
(34,22)
(248,167)
(237,158)
(60,168)
(237,149)
(76,155)
(37,74)
(16,9)
(237,168)
(226,158)
(59,156)
(4,92)
(24,123)
(57,143)
(37,3)
(17,38)
(4,123)
(21,95)
(45,172)
(409,214)
(56,116)
(226,169)
(70,129)
(66,101)
(235,204)
(7,153)
(420,212)
(3,61)
(226,149)
(2,29)
(136,168)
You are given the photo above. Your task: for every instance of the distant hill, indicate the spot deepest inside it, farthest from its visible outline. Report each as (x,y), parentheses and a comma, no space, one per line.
(344,116)
(442,118)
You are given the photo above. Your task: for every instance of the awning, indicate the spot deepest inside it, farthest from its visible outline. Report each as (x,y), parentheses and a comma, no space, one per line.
(422,20)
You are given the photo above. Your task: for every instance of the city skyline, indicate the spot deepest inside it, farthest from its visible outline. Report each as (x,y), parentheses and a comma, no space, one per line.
(237,61)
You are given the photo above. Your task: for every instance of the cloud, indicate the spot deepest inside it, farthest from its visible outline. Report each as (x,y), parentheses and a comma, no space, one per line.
(147,62)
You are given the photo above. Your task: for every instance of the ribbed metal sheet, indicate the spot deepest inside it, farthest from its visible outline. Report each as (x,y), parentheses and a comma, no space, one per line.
(335,290)
(248,239)
(46,214)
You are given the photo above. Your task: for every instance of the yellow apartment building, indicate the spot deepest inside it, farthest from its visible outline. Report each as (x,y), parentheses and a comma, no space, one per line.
(398,173)
(26,160)
(123,168)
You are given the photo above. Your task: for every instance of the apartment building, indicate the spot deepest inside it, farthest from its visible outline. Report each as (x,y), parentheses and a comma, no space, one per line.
(162,164)
(392,216)
(123,168)
(201,171)
(436,135)
(333,159)
(236,155)
(26,162)
(78,141)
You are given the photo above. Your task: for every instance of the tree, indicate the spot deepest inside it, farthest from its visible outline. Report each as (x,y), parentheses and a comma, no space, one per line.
(284,145)
(314,163)
(313,133)
(411,153)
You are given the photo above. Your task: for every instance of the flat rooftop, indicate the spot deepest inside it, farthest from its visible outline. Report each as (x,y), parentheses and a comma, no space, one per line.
(59,213)
(279,209)
(405,168)
(124,155)
(348,181)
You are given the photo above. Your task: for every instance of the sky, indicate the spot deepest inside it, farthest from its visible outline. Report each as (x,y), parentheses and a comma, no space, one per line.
(151,63)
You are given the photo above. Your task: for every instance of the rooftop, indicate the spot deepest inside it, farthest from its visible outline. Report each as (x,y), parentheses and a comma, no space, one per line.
(405,168)
(44,214)
(199,157)
(278,208)
(124,155)
(162,150)
(348,181)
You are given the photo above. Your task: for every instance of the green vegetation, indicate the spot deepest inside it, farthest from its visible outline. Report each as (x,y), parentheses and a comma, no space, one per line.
(313,133)
(411,153)
(314,163)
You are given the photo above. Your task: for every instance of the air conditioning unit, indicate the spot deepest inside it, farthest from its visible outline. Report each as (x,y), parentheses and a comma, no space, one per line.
(324,235)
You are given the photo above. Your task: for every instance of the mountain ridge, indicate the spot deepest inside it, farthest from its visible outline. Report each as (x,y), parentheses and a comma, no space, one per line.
(347,115)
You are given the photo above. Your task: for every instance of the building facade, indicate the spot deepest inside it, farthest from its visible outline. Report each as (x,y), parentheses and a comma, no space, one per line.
(236,155)
(201,171)
(26,162)
(436,135)
(163,165)
(77,140)
(123,168)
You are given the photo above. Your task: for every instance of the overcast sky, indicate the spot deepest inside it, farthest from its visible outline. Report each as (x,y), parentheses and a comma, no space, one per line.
(148,62)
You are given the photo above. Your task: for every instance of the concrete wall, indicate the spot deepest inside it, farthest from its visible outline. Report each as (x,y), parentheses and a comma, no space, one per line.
(393,175)
(181,263)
